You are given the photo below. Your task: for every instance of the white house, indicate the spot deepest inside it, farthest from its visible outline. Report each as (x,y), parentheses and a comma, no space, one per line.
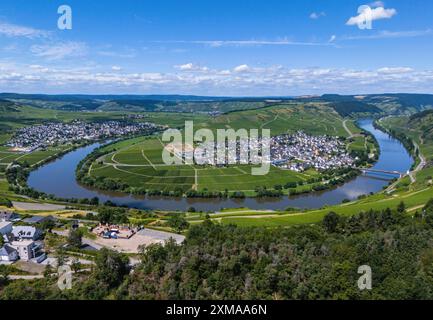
(26,233)
(7,253)
(27,249)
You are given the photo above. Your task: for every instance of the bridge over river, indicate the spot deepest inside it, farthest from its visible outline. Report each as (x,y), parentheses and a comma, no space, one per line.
(394,173)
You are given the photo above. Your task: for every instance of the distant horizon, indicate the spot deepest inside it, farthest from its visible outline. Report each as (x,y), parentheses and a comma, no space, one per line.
(212,96)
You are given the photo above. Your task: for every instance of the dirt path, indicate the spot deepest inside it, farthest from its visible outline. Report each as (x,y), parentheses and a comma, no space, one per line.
(147,159)
(28,206)
(195,185)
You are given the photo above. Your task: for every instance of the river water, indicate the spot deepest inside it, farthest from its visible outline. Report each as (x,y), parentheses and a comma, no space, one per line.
(58,178)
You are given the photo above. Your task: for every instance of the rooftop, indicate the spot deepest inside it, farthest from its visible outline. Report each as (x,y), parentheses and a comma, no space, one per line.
(4,224)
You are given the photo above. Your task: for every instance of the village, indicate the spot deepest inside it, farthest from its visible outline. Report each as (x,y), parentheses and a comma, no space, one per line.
(300,151)
(31,138)
(297,152)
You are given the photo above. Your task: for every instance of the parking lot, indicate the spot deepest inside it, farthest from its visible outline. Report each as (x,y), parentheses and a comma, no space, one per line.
(143,237)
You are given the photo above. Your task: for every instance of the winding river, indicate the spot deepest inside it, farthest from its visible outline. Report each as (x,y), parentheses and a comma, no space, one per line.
(58,178)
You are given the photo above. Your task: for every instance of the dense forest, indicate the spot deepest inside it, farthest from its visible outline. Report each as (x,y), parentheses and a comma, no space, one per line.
(228,262)
(348,108)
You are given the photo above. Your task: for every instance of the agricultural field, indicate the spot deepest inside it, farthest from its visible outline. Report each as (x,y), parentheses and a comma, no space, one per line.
(31,158)
(313,118)
(24,115)
(140,165)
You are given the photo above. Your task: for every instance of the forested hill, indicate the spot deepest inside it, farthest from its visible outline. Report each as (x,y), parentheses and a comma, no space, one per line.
(140,103)
(395,103)
(348,108)
(345,105)
(228,262)
(423,121)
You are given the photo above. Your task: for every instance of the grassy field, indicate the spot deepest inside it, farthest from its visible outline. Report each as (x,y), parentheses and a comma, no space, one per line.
(414,201)
(26,115)
(32,158)
(140,165)
(314,119)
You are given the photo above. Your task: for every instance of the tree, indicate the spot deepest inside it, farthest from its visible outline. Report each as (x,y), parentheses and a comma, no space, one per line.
(401,207)
(111,267)
(61,258)
(330,222)
(47,225)
(6,202)
(48,271)
(4,275)
(112,215)
(178,223)
(94,201)
(75,265)
(2,240)
(75,238)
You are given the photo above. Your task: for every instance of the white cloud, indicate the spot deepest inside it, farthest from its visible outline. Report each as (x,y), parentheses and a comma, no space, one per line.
(13,30)
(274,80)
(191,67)
(59,50)
(186,66)
(127,55)
(246,43)
(317,15)
(242,68)
(376,14)
(391,34)
(333,38)
(394,70)
(116,68)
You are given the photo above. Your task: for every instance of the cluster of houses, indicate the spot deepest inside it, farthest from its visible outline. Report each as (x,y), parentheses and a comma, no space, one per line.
(300,151)
(31,138)
(297,152)
(21,242)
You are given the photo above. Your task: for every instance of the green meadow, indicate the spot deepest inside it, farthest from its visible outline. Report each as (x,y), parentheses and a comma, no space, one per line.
(140,165)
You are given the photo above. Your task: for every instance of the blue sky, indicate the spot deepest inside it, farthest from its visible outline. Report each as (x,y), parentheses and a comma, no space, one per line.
(238,47)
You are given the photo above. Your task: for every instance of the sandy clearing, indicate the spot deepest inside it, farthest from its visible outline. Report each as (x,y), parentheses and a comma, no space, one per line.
(24,206)
(143,237)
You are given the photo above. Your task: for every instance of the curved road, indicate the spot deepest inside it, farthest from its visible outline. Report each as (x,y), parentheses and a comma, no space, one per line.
(420,166)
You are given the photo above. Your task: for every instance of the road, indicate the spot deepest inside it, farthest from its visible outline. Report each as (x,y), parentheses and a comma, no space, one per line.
(420,166)
(412,174)
(351,135)
(41,276)
(21,277)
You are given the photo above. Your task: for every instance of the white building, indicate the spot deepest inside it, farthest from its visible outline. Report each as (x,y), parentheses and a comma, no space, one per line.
(26,233)
(8,254)
(27,249)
